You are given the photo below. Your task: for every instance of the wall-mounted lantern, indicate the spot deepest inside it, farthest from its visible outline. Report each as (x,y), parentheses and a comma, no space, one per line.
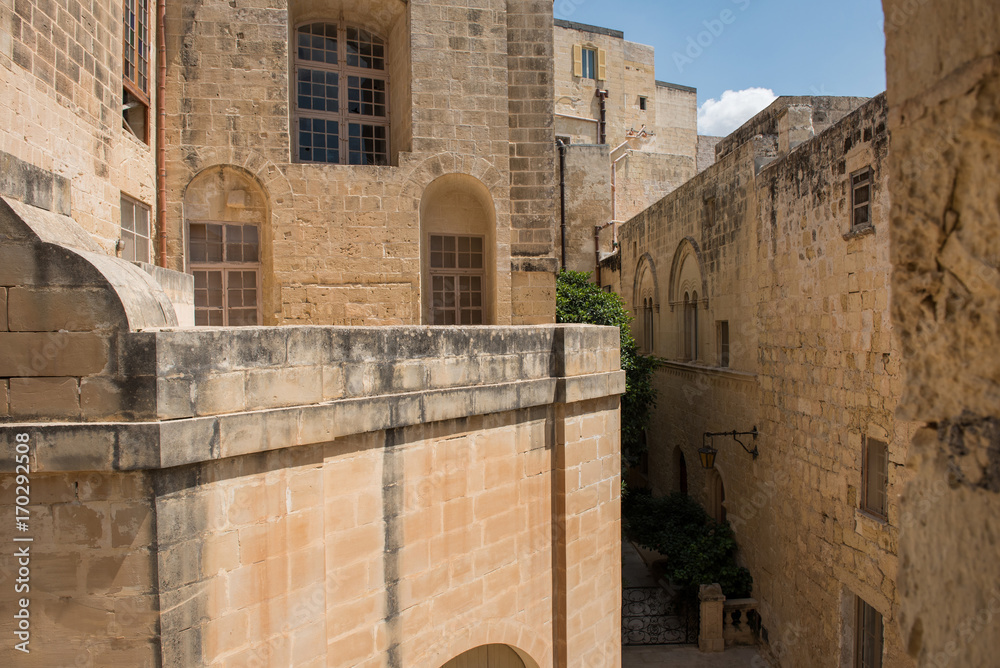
(708,453)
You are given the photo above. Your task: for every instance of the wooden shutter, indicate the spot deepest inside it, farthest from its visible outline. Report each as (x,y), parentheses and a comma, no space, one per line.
(602,64)
(577,60)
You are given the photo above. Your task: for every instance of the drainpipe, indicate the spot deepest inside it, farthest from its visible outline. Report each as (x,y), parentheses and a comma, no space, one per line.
(602,128)
(562,199)
(614,184)
(161,130)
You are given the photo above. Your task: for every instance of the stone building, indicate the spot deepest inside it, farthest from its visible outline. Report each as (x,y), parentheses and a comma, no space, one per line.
(626,138)
(763,283)
(303,495)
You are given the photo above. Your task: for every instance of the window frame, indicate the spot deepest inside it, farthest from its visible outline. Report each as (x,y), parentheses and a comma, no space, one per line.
(136,54)
(585,63)
(343,117)
(643,103)
(865,616)
(881,510)
(869,175)
(136,205)
(724,349)
(225,267)
(457,273)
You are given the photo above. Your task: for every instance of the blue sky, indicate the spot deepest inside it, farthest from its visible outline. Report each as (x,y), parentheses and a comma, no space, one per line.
(749,47)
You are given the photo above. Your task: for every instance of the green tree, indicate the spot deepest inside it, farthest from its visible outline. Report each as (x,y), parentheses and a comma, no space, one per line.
(578,300)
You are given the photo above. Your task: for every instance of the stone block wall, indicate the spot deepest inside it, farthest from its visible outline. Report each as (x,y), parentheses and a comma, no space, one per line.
(61,108)
(471,94)
(306,495)
(814,364)
(943,82)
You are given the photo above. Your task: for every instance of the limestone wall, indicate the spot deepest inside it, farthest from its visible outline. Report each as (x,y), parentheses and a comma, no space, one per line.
(470,93)
(61,107)
(765,239)
(943,78)
(389,522)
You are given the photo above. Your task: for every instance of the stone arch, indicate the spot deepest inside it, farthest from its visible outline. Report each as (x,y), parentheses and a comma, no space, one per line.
(646,296)
(533,648)
(646,282)
(488,656)
(685,276)
(687,296)
(232,198)
(458,207)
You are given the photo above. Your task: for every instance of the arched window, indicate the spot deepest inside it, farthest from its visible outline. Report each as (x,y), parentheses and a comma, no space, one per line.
(647,322)
(341,95)
(691,326)
(458,239)
(225,211)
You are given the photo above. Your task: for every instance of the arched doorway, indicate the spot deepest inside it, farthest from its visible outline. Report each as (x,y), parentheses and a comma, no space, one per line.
(487,656)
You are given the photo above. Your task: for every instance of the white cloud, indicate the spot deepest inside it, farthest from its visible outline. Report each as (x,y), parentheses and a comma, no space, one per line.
(720,117)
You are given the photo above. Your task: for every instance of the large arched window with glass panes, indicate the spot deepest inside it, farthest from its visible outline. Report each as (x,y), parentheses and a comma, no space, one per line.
(341,95)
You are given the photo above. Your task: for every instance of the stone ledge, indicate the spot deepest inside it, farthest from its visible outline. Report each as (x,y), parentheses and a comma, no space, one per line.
(116,446)
(720,372)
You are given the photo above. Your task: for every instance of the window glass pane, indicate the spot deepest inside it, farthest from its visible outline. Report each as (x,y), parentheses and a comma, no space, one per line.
(319,140)
(213,243)
(862,194)
(318,90)
(364,49)
(128,215)
(128,246)
(366,96)
(142,221)
(141,249)
(368,145)
(318,43)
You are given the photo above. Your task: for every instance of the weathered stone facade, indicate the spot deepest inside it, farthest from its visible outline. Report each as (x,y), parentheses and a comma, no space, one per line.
(469,93)
(762,241)
(303,495)
(649,129)
(943,83)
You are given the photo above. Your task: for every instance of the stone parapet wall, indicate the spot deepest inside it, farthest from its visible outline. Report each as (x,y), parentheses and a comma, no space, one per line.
(404,524)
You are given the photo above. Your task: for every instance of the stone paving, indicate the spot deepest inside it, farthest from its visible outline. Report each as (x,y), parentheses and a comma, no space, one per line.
(635,574)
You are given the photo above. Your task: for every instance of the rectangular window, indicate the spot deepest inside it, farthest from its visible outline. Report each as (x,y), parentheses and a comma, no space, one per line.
(723,338)
(643,102)
(868,631)
(875,477)
(861,198)
(225,260)
(457,280)
(135,232)
(341,96)
(135,68)
(590,63)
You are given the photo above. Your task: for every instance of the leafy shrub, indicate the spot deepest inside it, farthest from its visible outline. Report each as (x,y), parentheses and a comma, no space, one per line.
(698,549)
(580,301)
